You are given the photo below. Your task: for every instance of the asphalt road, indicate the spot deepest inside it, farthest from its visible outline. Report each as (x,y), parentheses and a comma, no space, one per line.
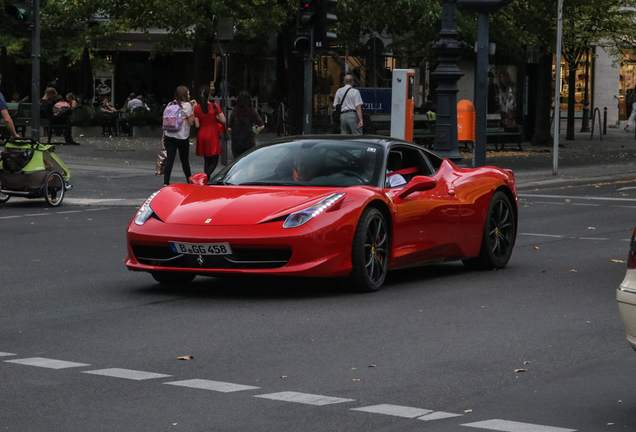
(86,345)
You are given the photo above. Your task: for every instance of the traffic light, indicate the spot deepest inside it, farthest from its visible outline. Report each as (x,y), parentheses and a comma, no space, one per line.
(306,16)
(20,12)
(323,37)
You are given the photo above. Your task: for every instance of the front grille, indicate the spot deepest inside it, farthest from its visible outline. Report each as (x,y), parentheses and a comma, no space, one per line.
(240,259)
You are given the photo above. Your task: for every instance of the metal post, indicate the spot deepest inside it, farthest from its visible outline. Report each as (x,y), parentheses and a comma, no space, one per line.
(447,74)
(605,121)
(557,91)
(308,93)
(585,122)
(481,91)
(35,74)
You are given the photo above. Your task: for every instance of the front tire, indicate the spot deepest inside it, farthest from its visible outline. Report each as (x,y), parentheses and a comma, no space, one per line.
(500,230)
(173,278)
(370,252)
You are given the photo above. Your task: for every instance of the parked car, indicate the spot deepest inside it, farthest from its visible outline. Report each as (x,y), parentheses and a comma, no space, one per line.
(327,206)
(626,294)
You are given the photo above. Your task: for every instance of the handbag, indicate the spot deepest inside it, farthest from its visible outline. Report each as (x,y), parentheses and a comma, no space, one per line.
(335,115)
(220,126)
(161,159)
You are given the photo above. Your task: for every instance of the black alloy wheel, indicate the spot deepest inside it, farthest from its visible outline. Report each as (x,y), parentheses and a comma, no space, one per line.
(500,230)
(370,252)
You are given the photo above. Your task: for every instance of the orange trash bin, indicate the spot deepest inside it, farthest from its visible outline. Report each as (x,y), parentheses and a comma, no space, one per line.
(465,121)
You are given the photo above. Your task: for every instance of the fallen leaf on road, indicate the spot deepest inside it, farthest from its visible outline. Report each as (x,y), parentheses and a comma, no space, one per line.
(620,401)
(372,365)
(283,376)
(468,411)
(521,370)
(572,271)
(535,247)
(618,261)
(591,228)
(355,379)
(625,194)
(185,358)
(567,200)
(526,362)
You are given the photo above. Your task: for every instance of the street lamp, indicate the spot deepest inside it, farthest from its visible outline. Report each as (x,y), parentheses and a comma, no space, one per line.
(483,9)
(447,74)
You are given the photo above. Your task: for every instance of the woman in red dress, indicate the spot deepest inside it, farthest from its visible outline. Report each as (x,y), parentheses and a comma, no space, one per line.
(207,115)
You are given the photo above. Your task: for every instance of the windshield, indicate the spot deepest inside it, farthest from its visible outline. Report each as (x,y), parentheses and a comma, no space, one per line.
(307,163)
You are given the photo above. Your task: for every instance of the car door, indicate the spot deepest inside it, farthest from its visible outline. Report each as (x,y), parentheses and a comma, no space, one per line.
(425,222)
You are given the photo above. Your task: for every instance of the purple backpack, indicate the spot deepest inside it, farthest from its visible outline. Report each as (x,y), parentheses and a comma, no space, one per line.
(172,117)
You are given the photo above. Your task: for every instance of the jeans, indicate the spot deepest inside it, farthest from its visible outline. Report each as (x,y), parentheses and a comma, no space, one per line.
(172,146)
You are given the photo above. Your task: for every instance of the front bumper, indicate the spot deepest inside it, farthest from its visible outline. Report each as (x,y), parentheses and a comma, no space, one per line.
(626,296)
(261,249)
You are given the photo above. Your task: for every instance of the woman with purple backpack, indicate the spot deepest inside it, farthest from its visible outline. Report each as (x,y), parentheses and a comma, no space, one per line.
(178,140)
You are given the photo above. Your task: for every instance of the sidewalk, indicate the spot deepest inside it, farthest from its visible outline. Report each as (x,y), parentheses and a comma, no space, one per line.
(120,170)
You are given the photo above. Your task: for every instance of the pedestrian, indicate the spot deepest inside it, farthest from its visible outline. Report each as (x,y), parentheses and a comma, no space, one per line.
(63,117)
(207,116)
(70,99)
(179,140)
(244,124)
(8,121)
(632,116)
(350,103)
(138,102)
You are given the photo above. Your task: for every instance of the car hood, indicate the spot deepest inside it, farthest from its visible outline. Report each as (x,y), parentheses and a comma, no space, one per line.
(232,205)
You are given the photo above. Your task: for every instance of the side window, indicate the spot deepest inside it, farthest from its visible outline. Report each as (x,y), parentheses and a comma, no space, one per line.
(403,164)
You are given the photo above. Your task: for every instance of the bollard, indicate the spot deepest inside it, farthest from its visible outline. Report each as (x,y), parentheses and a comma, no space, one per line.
(605,121)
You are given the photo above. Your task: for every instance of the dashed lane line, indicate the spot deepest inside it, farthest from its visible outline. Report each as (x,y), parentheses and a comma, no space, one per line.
(46,363)
(303,398)
(511,426)
(394,410)
(54,213)
(289,396)
(217,386)
(127,374)
(438,415)
(585,198)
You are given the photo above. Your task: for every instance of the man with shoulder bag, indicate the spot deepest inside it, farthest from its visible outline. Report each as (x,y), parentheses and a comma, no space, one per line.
(349,102)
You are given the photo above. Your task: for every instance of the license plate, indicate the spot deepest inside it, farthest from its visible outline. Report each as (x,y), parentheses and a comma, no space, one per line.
(201,248)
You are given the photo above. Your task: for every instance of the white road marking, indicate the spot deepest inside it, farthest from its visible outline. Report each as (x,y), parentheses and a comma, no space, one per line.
(511,426)
(5,354)
(626,188)
(438,415)
(542,235)
(218,386)
(46,363)
(576,197)
(304,398)
(594,238)
(394,410)
(127,374)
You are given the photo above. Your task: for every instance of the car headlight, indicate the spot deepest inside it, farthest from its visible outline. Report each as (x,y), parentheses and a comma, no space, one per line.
(145,211)
(303,216)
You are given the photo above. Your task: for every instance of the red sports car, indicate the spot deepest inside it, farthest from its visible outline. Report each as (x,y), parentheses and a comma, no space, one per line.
(327,206)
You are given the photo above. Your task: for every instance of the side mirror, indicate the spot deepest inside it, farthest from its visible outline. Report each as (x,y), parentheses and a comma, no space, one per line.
(199,179)
(417,184)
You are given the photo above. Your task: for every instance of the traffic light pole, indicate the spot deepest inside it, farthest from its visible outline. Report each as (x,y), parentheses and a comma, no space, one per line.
(35,74)
(308,93)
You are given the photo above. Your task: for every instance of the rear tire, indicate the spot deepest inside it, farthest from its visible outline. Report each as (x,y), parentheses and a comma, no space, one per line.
(4,198)
(369,252)
(54,188)
(500,230)
(173,278)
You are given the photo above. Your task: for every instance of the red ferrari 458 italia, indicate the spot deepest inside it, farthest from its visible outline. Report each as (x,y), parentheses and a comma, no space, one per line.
(327,206)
